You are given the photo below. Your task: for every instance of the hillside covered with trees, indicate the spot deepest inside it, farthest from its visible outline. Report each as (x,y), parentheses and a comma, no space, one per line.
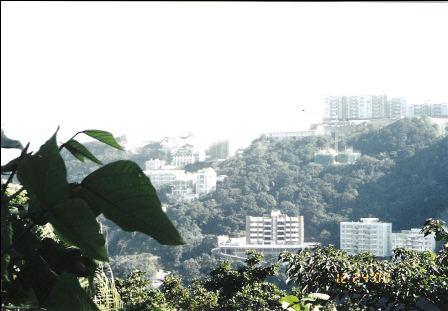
(402,170)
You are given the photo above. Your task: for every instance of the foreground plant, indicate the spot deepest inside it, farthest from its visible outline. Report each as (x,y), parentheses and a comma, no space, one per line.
(44,271)
(411,280)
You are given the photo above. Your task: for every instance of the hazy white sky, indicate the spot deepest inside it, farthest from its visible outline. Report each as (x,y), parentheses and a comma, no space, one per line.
(220,70)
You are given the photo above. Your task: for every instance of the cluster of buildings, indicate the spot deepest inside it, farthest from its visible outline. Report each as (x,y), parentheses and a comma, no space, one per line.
(184,186)
(185,150)
(365,107)
(267,234)
(277,232)
(371,235)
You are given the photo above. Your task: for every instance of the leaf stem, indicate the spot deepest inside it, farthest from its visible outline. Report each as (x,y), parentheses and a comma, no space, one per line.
(5,186)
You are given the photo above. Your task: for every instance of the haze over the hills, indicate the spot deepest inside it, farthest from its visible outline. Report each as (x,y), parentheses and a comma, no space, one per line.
(219,70)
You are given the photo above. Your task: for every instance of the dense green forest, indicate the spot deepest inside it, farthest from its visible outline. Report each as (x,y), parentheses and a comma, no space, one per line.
(402,171)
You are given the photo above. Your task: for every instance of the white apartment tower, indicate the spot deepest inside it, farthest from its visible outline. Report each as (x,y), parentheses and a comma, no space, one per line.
(206,180)
(413,239)
(363,107)
(276,229)
(368,235)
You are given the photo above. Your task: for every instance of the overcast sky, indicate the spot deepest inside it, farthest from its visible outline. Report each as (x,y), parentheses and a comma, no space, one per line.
(220,70)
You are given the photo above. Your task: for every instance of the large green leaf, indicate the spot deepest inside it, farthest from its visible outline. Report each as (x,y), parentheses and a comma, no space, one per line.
(36,274)
(80,152)
(10,143)
(104,137)
(44,175)
(74,220)
(125,195)
(67,294)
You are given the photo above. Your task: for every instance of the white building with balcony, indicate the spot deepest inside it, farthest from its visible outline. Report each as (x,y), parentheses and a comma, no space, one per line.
(206,180)
(275,228)
(188,154)
(367,235)
(413,239)
(269,235)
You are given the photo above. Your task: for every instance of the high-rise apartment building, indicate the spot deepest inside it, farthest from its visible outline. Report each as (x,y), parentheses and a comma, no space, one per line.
(420,110)
(368,235)
(439,110)
(396,108)
(363,107)
(413,239)
(275,228)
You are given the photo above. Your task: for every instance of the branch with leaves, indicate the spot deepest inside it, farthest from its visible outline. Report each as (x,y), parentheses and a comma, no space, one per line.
(43,272)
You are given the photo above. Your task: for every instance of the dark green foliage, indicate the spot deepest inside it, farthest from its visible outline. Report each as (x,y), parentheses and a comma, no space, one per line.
(68,295)
(75,221)
(399,139)
(125,264)
(407,282)
(125,195)
(41,264)
(104,137)
(134,291)
(225,288)
(44,177)
(80,152)
(416,185)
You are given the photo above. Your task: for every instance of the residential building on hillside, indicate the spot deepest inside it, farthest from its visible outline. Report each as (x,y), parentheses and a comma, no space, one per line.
(275,228)
(206,180)
(187,154)
(268,234)
(325,157)
(347,156)
(396,108)
(218,150)
(363,107)
(439,110)
(413,239)
(184,186)
(434,110)
(420,110)
(368,235)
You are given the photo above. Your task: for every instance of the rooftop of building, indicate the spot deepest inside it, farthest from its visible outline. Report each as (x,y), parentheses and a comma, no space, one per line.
(367,220)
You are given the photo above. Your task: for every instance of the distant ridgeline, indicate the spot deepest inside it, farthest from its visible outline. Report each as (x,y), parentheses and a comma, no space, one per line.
(401,176)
